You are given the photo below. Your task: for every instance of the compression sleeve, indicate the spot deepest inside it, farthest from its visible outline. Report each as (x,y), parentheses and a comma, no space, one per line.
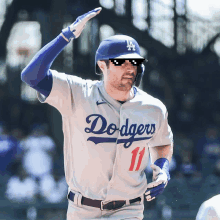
(37,74)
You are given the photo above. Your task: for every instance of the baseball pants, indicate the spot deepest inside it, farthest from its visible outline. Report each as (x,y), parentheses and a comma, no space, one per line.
(77,211)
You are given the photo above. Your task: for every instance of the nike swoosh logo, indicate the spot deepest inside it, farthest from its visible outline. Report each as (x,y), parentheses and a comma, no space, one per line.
(99,103)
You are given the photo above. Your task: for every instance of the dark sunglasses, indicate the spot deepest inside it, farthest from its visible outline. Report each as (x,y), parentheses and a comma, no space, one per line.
(134,62)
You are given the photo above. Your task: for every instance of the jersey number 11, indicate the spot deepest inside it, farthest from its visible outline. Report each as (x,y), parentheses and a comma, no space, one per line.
(134,156)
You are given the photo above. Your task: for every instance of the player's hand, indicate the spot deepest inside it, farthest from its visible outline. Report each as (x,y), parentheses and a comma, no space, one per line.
(76,28)
(160,180)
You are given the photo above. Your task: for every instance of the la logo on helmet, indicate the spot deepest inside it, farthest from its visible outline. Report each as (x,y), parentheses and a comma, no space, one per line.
(130,45)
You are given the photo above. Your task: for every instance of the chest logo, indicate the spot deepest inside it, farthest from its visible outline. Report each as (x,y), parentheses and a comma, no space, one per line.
(100,102)
(98,125)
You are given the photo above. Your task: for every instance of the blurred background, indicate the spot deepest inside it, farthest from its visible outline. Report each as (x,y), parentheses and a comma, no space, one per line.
(180,39)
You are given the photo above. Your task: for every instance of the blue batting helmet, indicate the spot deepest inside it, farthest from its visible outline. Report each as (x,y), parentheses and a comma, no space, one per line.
(120,46)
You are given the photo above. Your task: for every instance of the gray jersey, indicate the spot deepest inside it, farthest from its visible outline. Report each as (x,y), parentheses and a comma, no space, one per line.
(209,210)
(106,143)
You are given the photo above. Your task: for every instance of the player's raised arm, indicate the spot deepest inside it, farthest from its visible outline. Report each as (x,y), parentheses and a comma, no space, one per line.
(37,74)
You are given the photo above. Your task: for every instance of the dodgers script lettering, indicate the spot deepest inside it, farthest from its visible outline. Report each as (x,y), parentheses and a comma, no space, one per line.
(126,130)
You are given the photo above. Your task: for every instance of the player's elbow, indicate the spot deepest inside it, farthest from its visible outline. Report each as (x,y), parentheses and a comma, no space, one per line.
(24,75)
(27,77)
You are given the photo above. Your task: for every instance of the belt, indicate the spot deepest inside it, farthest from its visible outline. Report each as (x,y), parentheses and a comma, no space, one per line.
(102,204)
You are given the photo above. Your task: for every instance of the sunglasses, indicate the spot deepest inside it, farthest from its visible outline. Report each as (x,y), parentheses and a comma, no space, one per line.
(134,62)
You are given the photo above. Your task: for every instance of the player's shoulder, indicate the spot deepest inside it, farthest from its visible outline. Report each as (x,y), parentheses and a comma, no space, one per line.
(149,100)
(74,79)
(212,201)
(208,208)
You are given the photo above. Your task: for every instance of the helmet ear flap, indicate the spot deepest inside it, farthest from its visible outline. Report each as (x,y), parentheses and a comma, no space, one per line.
(139,76)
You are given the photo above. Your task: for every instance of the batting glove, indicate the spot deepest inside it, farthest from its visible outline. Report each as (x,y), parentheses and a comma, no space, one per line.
(75,29)
(160,178)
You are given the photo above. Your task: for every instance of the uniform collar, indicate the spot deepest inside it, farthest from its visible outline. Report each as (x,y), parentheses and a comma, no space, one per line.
(107,97)
(110,99)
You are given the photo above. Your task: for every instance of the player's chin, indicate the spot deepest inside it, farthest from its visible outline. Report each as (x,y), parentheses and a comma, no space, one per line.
(128,81)
(126,87)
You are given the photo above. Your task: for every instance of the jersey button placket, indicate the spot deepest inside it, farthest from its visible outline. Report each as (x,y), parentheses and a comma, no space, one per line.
(116,156)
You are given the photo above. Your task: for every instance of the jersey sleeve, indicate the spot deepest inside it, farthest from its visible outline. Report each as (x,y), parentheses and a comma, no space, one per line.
(61,95)
(164,135)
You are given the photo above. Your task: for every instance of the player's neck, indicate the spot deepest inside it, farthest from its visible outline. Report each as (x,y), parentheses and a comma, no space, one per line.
(118,94)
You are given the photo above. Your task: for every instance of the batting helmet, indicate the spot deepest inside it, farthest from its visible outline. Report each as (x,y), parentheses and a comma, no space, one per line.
(120,46)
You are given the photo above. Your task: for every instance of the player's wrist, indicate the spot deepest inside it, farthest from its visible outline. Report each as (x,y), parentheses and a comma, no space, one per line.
(163,163)
(67,34)
(61,34)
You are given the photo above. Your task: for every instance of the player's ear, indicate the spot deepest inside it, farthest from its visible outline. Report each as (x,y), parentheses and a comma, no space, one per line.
(102,65)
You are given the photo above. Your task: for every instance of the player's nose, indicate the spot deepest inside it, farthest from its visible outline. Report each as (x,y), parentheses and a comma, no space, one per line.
(127,62)
(129,66)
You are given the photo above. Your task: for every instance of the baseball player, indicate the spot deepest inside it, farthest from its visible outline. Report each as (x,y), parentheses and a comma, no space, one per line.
(110,127)
(209,209)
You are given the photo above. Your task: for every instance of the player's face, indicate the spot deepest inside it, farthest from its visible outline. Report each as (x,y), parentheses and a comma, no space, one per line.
(121,77)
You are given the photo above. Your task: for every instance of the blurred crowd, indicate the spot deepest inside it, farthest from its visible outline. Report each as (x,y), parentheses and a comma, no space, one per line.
(189,87)
(31,165)
(195,174)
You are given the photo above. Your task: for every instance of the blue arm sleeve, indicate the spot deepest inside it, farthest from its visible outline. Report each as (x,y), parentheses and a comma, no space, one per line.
(37,74)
